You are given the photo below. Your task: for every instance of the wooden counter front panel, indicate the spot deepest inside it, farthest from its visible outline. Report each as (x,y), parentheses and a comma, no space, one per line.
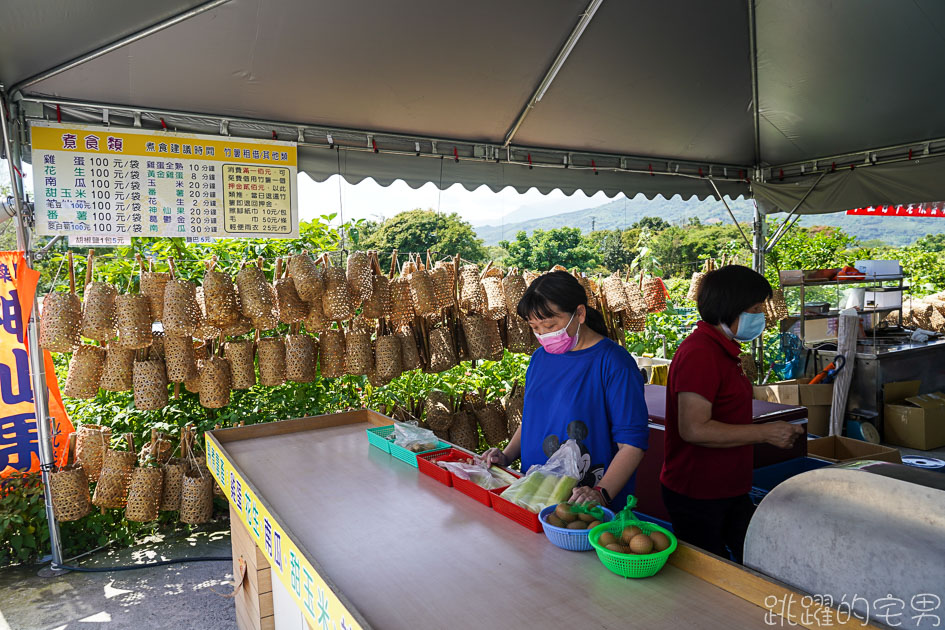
(409,552)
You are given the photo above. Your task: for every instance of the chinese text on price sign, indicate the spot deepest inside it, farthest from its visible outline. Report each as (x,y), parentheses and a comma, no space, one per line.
(122,182)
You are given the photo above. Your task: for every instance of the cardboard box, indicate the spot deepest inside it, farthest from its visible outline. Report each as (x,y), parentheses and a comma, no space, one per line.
(913,420)
(843,449)
(817,399)
(818,420)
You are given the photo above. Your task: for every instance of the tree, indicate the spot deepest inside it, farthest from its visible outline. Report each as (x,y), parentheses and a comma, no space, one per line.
(416,231)
(932,242)
(654,224)
(545,249)
(614,254)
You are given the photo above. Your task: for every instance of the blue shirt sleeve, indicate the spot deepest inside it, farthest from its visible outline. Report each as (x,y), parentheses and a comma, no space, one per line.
(626,404)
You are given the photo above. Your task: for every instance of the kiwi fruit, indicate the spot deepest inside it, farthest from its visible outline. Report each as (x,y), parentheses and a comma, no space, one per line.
(641,544)
(587,518)
(563,511)
(660,540)
(593,524)
(617,547)
(554,520)
(628,533)
(606,539)
(577,524)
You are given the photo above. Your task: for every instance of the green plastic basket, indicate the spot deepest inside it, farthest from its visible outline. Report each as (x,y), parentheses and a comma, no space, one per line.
(631,565)
(377,436)
(408,456)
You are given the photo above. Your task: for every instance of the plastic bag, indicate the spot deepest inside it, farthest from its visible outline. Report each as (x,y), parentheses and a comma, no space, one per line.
(475,473)
(549,483)
(414,438)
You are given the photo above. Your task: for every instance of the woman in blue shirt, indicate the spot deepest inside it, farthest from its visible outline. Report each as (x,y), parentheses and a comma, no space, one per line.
(579,385)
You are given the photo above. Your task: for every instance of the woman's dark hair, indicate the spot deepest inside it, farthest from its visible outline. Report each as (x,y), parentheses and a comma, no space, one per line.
(562,290)
(726,293)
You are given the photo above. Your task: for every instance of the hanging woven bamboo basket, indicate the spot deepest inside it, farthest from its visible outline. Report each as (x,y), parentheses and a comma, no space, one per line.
(635,299)
(219,295)
(196,502)
(696,281)
(255,294)
(409,352)
(331,353)
(654,293)
(615,294)
(471,297)
(464,432)
(388,357)
(422,294)
(477,336)
(585,283)
(134,322)
(379,304)
(491,417)
(514,404)
(308,278)
(442,287)
(269,321)
(179,359)
(438,411)
(111,491)
(519,334)
(530,276)
(496,343)
(337,301)
(301,352)
(85,372)
(271,352)
(118,371)
(495,305)
(242,358)
(315,320)
(291,307)
(153,285)
(91,443)
(150,385)
(69,488)
(359,353)
(204,331)
(402,312)
(633,323)
(749,367)
(61,318)
(156,349)
(145,489)
(360,284)
(98,312)
(442,350)
(215,382)
(513,285)
(173,480)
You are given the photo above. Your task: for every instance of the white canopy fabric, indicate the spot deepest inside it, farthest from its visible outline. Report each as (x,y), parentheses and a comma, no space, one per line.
(654,97)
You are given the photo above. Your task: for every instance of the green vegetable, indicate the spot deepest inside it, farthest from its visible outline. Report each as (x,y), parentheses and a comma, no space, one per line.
(503,475)
(562,491)
(523,488)
(542,496)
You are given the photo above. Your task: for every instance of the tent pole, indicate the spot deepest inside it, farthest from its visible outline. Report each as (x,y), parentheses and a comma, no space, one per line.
(731,214)
(552,72)
(753,53)
(115,45)
(784,226)
(37,368)
(758,264)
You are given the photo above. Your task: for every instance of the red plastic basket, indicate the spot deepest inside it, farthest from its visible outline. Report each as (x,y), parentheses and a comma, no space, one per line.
(427,463)
(476,492)
(518,514)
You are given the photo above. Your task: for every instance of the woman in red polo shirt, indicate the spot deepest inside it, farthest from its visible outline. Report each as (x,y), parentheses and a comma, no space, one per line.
(707,471)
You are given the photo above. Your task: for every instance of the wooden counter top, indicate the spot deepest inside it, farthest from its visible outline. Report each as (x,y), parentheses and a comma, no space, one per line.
(407,552)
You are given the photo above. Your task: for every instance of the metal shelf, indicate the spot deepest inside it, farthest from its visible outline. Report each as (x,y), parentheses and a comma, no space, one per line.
(836,313)
(805,282)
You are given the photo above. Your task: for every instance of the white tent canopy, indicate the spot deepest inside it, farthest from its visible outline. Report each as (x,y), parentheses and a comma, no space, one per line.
(649,97)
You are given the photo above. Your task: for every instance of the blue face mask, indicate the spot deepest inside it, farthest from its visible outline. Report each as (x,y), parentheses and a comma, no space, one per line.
(750,326)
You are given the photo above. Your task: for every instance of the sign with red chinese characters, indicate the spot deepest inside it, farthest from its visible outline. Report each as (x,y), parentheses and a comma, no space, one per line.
(931,209)
(121,182)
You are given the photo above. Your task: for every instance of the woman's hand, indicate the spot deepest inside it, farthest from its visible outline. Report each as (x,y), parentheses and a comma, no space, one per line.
(585,494)
(495,456)
(781,434)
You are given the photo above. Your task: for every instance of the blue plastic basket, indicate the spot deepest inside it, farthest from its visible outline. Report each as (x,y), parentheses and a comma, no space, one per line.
(569,539)
(377,436)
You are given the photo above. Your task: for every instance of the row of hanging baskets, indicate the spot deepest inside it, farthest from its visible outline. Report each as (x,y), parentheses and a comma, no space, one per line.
(105,475)
(311,318)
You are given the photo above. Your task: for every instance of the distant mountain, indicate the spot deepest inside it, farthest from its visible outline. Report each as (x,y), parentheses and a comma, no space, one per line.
(623,213)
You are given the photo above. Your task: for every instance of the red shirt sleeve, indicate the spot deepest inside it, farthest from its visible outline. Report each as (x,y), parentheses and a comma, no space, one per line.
(696,372)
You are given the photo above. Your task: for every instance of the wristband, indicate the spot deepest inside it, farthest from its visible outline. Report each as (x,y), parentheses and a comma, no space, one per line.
(604,495)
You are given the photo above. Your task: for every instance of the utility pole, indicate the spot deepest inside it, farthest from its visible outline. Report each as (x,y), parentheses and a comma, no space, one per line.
(593,223)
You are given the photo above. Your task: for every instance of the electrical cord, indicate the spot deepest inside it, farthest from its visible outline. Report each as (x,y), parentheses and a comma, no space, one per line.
(132,567)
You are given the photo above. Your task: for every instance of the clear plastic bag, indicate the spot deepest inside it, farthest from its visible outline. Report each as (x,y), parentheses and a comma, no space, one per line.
(475,473)
(549,483)
(413,437)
